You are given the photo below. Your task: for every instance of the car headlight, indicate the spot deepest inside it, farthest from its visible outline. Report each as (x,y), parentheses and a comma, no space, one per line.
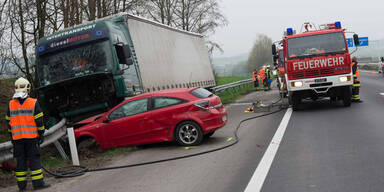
(297,84)
(344,79)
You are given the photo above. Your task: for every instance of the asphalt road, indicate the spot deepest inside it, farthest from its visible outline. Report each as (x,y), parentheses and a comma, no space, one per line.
(331,148)
(326,147)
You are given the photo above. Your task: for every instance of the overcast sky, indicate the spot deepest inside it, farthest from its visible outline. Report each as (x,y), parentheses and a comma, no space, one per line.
(247,18)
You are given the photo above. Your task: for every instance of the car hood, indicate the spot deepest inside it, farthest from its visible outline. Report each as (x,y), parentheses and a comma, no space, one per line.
(87,121)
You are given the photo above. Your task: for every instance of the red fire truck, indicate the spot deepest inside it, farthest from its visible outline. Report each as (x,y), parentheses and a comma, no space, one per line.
(317,64)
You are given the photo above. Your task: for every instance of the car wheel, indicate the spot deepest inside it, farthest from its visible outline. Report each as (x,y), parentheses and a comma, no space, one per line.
(88,147)
(188,133)
(209,134)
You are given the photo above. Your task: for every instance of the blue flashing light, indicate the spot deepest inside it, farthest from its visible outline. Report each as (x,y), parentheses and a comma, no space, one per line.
(99,32)
(289,31)
(338,25)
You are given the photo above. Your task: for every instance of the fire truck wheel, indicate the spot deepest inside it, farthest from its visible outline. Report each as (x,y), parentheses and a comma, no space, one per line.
(294,101)
(347,97)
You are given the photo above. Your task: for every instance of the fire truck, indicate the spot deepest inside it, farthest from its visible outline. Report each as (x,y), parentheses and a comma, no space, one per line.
(317,64)
(279,63)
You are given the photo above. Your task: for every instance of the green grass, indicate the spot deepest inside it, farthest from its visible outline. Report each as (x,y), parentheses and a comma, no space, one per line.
(232,94)
(226,80)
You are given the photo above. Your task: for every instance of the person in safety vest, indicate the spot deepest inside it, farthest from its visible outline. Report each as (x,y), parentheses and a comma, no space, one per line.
(356,81)
(255,79)
(26,128)
(262,76)
(268,75)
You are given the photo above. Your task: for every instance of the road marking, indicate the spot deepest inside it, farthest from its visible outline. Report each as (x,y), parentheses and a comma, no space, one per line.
(262,169)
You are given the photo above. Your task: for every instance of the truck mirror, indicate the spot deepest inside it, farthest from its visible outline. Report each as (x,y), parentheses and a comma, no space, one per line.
(123,54)
(274,49)
(356,39)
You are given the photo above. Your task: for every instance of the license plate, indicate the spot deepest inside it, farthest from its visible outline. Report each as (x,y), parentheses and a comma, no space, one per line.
(224,118)
(321,80)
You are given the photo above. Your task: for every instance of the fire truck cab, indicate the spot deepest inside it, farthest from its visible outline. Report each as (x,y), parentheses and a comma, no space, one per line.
(317,64)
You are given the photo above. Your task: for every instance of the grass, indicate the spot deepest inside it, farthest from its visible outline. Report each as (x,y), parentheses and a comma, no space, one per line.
(232,94)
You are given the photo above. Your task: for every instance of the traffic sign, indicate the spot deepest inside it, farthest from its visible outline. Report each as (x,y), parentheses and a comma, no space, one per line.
(350,42)
(363,41)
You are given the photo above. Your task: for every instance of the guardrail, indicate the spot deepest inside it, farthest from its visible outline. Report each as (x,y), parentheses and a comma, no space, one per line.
(51,136)
(220,88)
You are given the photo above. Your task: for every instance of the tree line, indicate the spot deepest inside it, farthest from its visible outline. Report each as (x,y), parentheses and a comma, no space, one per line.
(24,22)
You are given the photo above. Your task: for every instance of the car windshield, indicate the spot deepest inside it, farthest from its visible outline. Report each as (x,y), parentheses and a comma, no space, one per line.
(73,62)
(316,45)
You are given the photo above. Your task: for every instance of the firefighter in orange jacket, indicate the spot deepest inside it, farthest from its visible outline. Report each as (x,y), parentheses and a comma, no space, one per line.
(255,79)
(262,77)
(356,81)
(26,128)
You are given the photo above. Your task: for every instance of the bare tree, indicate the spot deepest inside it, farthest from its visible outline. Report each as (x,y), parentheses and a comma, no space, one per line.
(261,52)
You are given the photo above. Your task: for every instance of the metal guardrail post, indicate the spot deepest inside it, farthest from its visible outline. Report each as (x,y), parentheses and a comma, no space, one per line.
(72,145)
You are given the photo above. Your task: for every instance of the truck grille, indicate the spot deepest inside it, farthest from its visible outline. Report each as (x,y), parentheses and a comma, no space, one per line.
(311,73)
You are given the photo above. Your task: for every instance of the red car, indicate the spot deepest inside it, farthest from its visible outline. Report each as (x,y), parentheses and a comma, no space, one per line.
(182,115)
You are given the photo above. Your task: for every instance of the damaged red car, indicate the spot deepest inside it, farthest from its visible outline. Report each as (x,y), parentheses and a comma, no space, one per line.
(186,116)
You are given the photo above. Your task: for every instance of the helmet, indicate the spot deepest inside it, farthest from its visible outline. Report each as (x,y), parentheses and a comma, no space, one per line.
(22,87)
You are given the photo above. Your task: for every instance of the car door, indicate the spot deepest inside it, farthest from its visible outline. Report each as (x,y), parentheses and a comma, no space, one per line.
(129,124)
(167,111)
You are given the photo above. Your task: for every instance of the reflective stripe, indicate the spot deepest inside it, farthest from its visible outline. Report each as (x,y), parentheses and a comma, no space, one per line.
(7,118)
(36,172)
(41,128)
(356,85)
(37,177)
(23,126)
(21,178)
(20,173)
(39,115)
(21,112)
(23,132)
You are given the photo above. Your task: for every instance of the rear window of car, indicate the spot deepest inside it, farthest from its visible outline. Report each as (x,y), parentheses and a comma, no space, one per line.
(201,93)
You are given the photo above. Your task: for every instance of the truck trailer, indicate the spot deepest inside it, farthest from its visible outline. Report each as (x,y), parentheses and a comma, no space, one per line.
(317,64)
(90,68)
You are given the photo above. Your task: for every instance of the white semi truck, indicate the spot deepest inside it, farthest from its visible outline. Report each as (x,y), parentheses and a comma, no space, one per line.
(89,68)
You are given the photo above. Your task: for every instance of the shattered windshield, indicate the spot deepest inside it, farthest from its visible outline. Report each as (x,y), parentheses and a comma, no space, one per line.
(73,62)
(316,45)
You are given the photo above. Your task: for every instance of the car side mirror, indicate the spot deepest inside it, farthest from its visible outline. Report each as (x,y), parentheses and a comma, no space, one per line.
(106,120)
(356,39)
(274,51)
(275,60)
(124,54)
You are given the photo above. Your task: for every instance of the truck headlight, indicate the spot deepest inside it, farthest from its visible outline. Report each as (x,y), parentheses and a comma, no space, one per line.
(344,79)
(297,84)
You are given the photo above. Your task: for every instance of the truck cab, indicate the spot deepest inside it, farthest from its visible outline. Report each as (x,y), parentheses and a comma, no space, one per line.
(317,64)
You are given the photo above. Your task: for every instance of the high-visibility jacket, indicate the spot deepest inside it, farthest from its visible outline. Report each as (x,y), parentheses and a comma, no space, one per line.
(262,74)
(254,76)
(355,72)
(22,119)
